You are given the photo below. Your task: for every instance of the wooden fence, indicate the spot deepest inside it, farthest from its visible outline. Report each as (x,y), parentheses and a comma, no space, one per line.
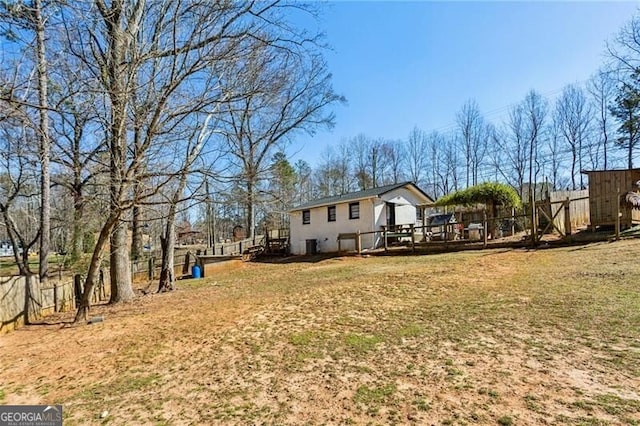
(23,300)
(149,268)
(578,202)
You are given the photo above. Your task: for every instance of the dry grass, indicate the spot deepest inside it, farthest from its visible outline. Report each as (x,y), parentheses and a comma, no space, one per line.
(489,337)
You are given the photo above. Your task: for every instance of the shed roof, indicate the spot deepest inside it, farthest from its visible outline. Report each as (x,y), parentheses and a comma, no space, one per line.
(586,172)
(361,195)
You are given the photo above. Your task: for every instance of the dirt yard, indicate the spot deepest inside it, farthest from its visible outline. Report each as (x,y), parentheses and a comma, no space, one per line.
(507,337)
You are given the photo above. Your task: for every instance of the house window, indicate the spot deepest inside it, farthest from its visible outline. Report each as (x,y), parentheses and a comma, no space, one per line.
(331,213)
(306,217)
(354,210)
(418,214)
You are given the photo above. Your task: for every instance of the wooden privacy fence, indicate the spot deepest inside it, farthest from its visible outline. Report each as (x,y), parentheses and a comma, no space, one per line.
(564,211)
(23,300)
(149,269)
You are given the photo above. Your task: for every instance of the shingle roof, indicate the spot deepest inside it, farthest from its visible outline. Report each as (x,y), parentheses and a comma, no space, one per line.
(359,195)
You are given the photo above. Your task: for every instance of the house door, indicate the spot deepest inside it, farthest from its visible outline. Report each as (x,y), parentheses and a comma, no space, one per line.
(391,214)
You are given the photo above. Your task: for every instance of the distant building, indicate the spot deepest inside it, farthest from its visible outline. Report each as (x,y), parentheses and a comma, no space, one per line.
(315,225)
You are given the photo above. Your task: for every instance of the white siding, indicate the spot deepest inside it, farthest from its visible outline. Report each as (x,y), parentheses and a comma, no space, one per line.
(405,202)
(373,216)
(326,233)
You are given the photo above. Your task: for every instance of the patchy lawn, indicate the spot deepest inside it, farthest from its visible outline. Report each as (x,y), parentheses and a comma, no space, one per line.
(485,337)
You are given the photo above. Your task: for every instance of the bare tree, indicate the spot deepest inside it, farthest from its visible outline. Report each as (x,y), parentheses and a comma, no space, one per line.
(624,54)
(417,155)
(473,134)
(553,151)
(17,192)
(514,146)
(360,147)
(434,152)
(573,116)
(333,175)
(450,160)
(30,16)
(75,151)
(277,93)
(304,182)
(376,162)
(192,150)
(158,59)
(601,86)
(393,153)
(534,107)
(626,109)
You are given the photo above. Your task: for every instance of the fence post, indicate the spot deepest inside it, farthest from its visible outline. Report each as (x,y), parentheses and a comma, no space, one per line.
(55,297)
(187,263)
(567,219)
(358,242)
(413,238)
(384,234)
(151,268)
(485,227)
(618,214)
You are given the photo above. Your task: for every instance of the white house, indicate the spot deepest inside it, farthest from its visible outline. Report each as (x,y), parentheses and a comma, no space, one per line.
(315,225)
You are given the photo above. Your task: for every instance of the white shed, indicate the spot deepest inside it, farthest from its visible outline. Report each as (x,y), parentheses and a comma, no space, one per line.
(315,225)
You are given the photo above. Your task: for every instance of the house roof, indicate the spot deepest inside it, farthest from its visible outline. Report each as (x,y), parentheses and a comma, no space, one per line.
(361,195)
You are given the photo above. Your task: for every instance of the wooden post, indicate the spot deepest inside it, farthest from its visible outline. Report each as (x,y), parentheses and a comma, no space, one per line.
(55,297)
(513,221)
(567,219)
(384,234)
(358,242)
(618,214)
(413,237)
(200,262)
(484,227)
(150,271)
(534,222)
(187,263)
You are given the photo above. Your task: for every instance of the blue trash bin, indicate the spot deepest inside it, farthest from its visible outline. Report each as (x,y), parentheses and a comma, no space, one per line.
(196,271)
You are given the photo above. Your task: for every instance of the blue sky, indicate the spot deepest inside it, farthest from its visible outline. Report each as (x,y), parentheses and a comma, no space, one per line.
(404,64)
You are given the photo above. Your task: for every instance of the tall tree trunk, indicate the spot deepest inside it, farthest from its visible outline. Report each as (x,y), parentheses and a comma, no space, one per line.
(250,207)
(45,179)
(168,243)
(94,268)
(573,170)
(78,225)
(136,232)
(136,225)
(121,288)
